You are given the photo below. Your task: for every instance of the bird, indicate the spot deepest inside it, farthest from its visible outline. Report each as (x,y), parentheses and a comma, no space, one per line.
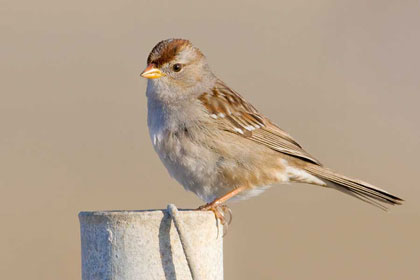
(219,146)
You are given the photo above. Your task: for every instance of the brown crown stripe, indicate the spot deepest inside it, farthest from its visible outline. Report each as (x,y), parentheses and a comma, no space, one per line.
(166,50)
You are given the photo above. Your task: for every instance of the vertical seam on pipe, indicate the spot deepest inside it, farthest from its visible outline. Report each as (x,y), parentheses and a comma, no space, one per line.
(186,246)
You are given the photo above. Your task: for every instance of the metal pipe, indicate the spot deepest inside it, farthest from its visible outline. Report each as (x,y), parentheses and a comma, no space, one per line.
(128,245)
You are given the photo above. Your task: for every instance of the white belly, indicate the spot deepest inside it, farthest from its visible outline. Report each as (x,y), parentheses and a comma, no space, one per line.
(192,165)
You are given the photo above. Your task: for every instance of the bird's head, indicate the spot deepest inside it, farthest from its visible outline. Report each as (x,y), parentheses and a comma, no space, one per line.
(175,64)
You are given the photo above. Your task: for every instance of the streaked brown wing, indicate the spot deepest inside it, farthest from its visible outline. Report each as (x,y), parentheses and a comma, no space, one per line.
(238,116)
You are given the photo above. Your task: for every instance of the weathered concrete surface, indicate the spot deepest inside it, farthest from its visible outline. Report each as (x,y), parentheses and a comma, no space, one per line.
(145,245)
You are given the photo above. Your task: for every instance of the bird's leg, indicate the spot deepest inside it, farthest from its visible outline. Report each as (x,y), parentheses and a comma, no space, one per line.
(217,207)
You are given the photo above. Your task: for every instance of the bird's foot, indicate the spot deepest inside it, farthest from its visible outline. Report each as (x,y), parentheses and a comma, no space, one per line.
(222,213)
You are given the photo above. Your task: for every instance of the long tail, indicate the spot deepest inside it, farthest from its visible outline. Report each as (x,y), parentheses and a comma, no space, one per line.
(354,187)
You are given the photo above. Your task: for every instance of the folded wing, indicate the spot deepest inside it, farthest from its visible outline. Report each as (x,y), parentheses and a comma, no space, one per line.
(236,115)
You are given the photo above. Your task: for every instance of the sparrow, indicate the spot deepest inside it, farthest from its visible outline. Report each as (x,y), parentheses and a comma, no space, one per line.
(220,147)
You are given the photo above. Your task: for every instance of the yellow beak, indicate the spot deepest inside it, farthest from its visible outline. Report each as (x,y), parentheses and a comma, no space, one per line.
(151,72)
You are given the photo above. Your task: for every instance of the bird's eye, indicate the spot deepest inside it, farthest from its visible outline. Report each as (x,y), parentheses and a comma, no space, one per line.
(177,67)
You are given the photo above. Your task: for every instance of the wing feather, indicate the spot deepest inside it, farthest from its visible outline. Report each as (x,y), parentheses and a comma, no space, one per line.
(236,115)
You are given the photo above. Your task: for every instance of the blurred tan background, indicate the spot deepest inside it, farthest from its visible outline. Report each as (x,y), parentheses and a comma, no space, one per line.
(343,77)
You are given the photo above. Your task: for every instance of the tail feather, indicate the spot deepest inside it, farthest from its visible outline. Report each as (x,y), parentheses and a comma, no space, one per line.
(363,198)
(355,187)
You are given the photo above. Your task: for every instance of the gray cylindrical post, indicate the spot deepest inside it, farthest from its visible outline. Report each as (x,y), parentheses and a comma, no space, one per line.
(128,245)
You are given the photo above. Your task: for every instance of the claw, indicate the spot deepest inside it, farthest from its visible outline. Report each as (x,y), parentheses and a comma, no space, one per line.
(227,211)
(220,212)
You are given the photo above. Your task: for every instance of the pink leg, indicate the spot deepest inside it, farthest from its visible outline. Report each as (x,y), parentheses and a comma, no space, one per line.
(217,205)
